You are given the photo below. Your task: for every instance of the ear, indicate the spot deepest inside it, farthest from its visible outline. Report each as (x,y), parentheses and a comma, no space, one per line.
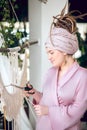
(64,53)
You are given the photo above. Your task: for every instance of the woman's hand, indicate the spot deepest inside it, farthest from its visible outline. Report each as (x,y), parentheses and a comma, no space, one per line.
(41,110)
(28,93)
(29,90)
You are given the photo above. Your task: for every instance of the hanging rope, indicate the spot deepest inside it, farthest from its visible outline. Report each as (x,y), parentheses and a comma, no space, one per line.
(13,10)
(4,119)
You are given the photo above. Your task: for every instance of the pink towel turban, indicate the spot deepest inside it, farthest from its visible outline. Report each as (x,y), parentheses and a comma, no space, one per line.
(62,40)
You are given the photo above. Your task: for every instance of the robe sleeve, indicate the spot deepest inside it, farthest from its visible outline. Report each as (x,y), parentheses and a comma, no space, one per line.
(64,117)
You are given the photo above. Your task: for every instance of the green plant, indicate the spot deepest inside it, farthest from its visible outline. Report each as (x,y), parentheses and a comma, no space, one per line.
(11,36)
(83,47)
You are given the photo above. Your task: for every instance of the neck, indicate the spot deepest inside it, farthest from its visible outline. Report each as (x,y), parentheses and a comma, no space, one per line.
(67,63)
(65,66)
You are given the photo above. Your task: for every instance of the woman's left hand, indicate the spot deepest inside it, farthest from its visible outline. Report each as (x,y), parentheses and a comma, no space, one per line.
(41,110)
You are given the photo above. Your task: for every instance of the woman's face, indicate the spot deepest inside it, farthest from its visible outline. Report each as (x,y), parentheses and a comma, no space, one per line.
(57,58)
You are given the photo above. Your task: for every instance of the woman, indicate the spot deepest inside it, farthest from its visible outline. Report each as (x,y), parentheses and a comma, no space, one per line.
(64,98)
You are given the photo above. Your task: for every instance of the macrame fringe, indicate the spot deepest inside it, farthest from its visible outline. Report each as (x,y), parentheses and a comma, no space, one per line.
(14,101)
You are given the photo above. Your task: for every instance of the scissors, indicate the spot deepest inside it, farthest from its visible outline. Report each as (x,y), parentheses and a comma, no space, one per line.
(28,87)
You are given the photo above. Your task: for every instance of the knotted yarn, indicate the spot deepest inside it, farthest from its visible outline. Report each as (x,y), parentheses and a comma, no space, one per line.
(62,40)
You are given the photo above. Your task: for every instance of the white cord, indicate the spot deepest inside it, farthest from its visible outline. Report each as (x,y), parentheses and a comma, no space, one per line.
(13,10)
(30,103)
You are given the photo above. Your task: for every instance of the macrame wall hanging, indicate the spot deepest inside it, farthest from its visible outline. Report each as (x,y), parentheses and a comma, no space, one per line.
(13,101)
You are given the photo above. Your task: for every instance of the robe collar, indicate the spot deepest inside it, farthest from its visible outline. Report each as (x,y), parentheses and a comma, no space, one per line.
(67,76)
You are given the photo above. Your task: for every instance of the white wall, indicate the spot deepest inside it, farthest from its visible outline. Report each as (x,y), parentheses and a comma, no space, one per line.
(35,34)
(40,18)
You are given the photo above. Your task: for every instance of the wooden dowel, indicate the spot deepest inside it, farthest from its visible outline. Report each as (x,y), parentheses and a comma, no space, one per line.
(33,42)
(21,47)
(4,50)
